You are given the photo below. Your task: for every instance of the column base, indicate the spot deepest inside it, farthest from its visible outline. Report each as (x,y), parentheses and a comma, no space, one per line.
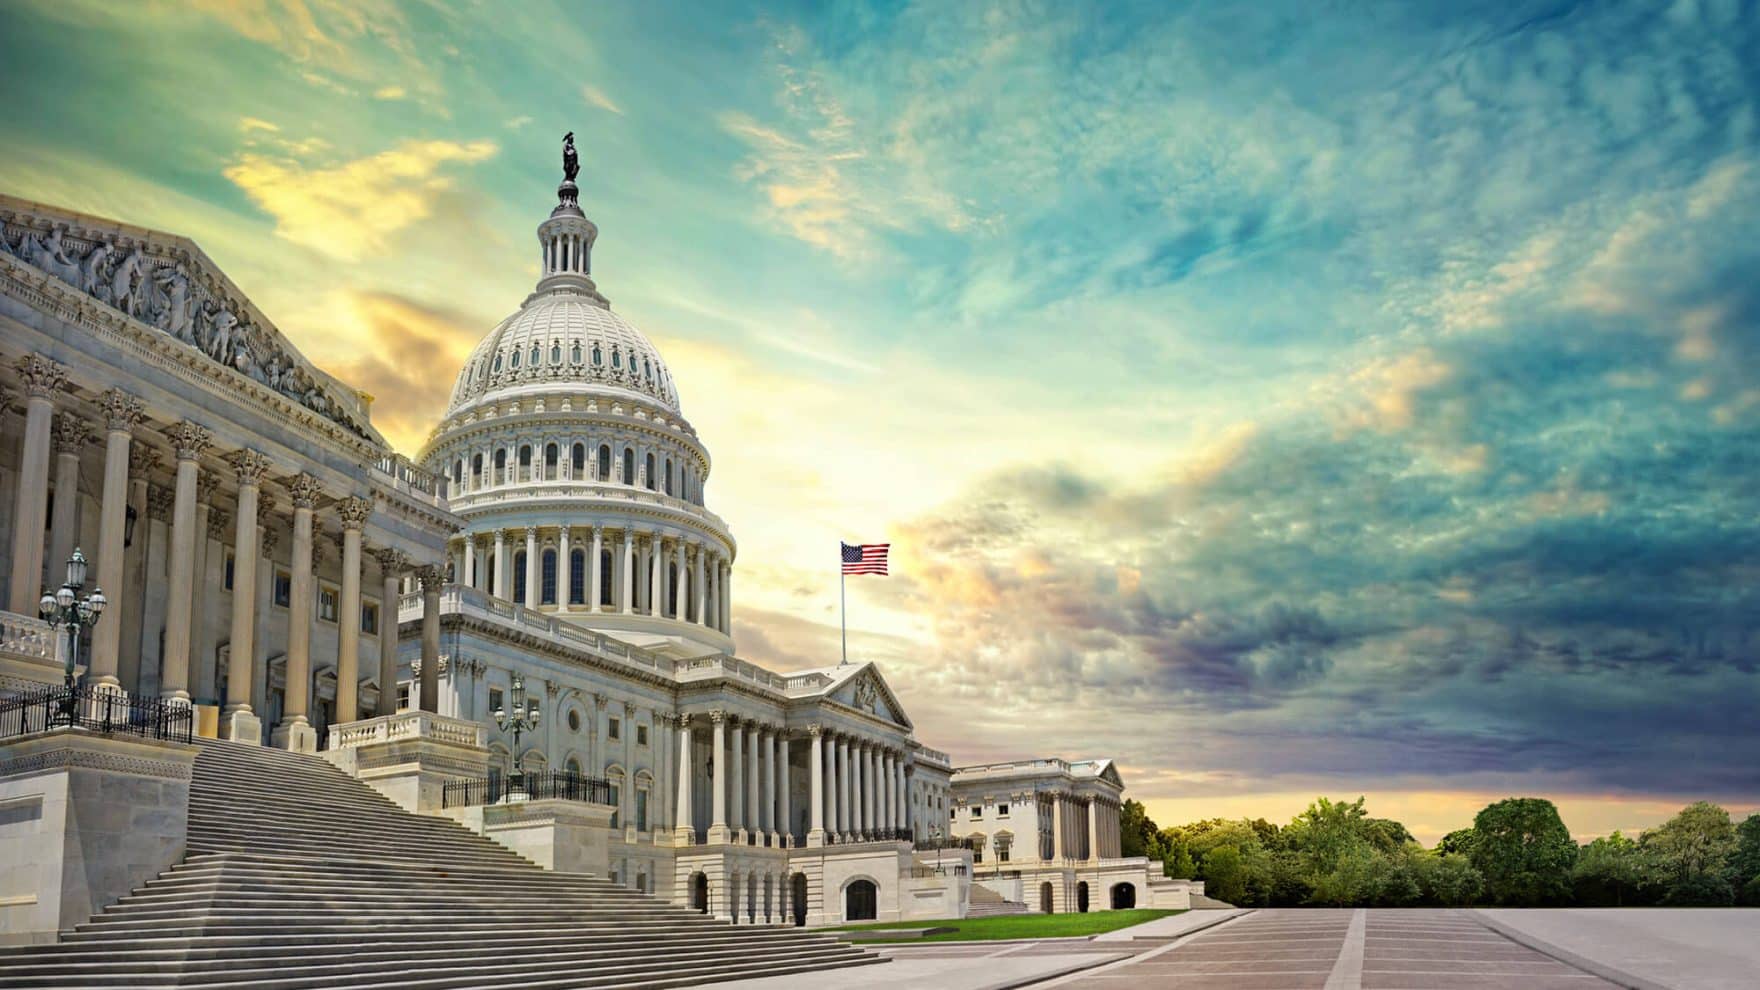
(242,726)
(815,838)
(718,835)
(684,836)
(179,698)
(295,735)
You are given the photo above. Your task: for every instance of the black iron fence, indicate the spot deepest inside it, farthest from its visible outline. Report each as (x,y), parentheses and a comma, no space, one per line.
(963,842)
(106,711)
(526,786)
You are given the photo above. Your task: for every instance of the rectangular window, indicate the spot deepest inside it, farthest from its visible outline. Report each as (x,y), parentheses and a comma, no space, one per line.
(283,587)
(616,806)
(494,700)
(1002,811)
(328,598)
(613,729)
(641,811)
(227,578)
(403,695)
(977,812)
(370,618)
(641,735)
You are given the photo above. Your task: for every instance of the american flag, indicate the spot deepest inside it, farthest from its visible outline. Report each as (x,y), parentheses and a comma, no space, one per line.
(864,558)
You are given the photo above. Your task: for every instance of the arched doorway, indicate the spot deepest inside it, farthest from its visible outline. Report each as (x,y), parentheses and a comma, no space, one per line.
(1124,897)
(861,900)
(700,893)
(797,898)
(1045,897)
(1082,897)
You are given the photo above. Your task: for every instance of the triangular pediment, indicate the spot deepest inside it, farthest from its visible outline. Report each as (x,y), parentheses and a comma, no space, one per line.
(866,691)
(164,283)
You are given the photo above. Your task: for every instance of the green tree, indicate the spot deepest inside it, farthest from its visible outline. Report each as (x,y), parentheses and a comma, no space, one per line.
(1451,880)
(1692,851)
(1460,842)
(1225,878)
(1177,861)
(1610,872)
(1327,832)
(1523,850)
(1744,863)
(1138,833)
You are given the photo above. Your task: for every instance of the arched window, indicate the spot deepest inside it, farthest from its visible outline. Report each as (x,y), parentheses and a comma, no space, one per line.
(650,466)
(578,462)
(500,465)
(535,356)
(604,472)
(556,353)
(669,476)
(598,355)
(525,462)
(519,576)
(574,354)
(577,576)
(616,358)
(549,462)
(513,359)
(547,589)
(605,577)
(629,466)
(497,362)
(458,471)
(476,470)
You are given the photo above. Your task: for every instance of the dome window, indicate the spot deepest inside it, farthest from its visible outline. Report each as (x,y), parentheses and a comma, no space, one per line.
(616,358)
(649,464)
(598,356)
(497,362)
(555,353)
(537,356)
(513,360)
(604,473)
(629,466)
(575,355)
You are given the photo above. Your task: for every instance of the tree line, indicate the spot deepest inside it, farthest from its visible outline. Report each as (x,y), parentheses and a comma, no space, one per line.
(1518,853)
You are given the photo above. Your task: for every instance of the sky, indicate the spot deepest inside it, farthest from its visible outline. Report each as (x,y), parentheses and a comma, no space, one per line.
(1281,399)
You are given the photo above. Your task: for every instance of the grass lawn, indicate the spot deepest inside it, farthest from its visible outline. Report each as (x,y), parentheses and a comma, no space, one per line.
(1022,925)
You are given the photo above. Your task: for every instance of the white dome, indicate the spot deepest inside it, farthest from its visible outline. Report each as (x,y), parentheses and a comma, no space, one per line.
(574,338)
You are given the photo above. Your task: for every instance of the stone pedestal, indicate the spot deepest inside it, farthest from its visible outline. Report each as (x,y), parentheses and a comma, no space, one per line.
(295,736)
(84,819)
(242,726)
(409,757)
(815,838)
(565,836)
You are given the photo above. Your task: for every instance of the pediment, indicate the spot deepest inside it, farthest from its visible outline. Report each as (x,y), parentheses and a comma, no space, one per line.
(167,284)
(868,692)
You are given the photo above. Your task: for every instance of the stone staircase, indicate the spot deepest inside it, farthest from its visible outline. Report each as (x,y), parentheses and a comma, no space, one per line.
(986,902)
(300,876)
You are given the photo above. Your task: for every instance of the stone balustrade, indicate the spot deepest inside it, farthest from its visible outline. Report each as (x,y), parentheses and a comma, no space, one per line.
(27,637)
(408,725)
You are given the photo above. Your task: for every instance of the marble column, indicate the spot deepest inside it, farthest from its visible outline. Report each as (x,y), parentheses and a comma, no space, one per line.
(701,587)
(30,509)
(736,796)
(532,596)
(201,645)
(469,577)
(885,779)
(391,566)
(188,441)
(683,832)
(597,588)
(433,578)
(243,725)
(564,569)
(502,579)
(656,588)
(816,788)
(71,436)
(1056,826)
(843,792)
(295,731)
(784,816)
(681,599)
(726,596)
(754,780)
(121,413)
(718,782)
(629,571)
(354,512)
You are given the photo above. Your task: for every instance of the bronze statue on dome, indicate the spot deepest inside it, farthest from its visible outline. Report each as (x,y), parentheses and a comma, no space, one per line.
(571,163)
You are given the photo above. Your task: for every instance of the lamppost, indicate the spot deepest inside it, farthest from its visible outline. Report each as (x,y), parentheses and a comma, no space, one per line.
(523,719)
(935,837)
(64,607)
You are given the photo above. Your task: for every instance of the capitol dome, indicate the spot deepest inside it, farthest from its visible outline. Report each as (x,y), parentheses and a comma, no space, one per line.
(582,484)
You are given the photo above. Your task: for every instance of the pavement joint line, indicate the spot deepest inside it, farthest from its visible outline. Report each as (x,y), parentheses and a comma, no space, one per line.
(1152,953)
(1611,974)
(1347,972)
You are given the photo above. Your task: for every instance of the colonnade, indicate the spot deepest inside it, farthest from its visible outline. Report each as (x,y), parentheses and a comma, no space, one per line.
(615,459)
(623,570)
(858,788)
(756,897)
(1082,827)
(190,508)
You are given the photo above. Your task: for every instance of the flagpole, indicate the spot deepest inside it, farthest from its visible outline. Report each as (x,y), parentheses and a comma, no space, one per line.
(842,608)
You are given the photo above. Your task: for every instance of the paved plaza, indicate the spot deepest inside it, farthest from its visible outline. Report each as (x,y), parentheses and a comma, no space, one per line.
(1321,949)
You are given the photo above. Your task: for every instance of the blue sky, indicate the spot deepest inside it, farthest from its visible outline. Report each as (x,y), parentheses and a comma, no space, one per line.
(1281,400)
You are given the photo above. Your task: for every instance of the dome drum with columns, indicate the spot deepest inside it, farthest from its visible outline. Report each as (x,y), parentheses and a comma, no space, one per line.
(581,481)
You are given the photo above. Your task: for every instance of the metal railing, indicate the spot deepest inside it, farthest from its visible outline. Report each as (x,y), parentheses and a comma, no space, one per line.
(961,842)
(921,871)
(555,784)
(106,711)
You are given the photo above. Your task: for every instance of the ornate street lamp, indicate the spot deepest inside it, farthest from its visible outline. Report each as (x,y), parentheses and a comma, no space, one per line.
(523,719)
(935,837)
(65,607)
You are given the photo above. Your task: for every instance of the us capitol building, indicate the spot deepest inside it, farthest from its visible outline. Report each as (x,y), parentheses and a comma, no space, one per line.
(525,630)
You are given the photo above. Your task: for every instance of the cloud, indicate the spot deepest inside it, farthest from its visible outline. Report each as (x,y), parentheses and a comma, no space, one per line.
(596,97)
(390,93)
(404,352)
(353,208)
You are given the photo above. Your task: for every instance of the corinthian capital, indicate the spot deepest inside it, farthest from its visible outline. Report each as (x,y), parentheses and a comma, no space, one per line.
(121,410)
(354,511)
(305,490)
(432,576)
(188,440)
(42,377)
(71,433)
(142,460)
(391,560)
(250,465)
